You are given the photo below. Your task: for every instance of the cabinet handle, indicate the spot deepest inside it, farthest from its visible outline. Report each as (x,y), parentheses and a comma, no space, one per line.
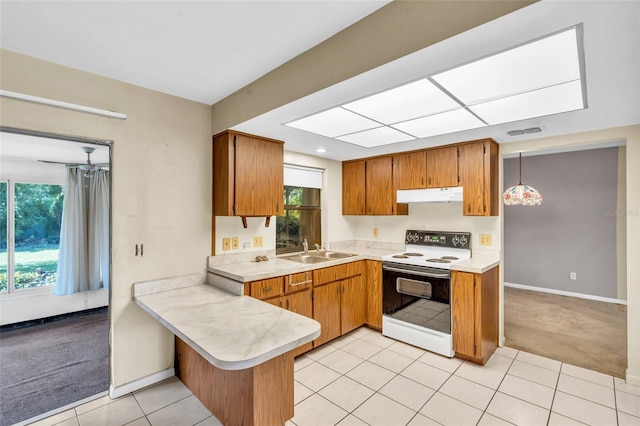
(287,304)
(306,280)
(422,180)
(280,303)
(469,207)
(266,289)
(429,182)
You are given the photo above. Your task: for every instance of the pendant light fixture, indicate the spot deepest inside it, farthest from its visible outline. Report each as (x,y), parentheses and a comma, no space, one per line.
(521,194)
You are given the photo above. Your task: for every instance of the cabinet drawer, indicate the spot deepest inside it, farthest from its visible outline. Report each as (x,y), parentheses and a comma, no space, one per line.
(264,289)
(299,281)
(335,273)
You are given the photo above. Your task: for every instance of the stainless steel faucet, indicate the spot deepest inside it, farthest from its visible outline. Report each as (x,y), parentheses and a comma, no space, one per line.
(317,246)
(305,244)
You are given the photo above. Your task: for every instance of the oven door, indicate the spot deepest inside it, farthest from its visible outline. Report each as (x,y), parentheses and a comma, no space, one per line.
(417,295)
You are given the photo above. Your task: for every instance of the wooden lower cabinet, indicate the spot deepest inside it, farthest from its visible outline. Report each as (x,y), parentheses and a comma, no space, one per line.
(240,397)
(474,305)
(300,303)
(373,287)
(326,310)
(353,302)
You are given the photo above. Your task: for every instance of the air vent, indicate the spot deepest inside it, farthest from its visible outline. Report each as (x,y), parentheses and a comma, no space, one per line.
(522,132)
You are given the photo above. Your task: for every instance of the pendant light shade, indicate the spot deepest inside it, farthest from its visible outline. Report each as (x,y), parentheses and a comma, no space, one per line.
(521,194)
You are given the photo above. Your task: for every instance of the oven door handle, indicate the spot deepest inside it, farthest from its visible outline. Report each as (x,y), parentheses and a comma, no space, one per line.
(422,274)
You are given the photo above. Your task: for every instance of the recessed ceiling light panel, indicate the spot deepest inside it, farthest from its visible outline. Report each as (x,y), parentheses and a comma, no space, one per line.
(413,100)
(334,122)
(376,137)
(439,124)
(552,100)
(541,63)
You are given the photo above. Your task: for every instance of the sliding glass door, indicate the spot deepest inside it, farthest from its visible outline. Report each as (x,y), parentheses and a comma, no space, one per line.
(30,218)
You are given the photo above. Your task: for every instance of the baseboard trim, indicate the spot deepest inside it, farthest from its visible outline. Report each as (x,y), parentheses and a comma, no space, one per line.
(632,380)
(118,391)
(566,293)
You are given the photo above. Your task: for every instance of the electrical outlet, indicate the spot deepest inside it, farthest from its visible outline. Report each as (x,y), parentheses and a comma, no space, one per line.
(485,239)
(226,243)
(375,232)
(234,243)
(572,276)
(258,241)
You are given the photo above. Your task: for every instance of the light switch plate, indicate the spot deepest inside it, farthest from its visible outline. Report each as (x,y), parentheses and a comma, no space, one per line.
(375,232)
(485,239)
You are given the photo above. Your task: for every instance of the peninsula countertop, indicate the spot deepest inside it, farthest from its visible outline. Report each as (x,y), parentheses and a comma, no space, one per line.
(232,332)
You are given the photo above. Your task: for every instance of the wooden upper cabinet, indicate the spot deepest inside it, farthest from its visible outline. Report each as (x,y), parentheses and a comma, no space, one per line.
(247,175)
(380,194)
(410,170)
(353,188)
(478,170)
(442,167)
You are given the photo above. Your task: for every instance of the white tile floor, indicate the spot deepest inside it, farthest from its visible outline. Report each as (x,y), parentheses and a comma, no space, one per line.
(365,378)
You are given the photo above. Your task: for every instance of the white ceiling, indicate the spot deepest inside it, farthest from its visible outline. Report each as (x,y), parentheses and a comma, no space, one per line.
(176,48)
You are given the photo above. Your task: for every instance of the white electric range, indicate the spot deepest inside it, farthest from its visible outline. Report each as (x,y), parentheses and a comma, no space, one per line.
(416,299)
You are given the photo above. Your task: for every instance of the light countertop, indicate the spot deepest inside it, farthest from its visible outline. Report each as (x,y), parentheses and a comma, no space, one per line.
(477,264)
(232,332)
(276,266)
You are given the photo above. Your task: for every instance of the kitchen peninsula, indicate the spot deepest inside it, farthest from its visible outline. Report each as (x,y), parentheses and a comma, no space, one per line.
(232,351)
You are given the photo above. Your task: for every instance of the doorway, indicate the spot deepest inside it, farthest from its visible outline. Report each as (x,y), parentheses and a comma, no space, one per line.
(564,261)
(42,335)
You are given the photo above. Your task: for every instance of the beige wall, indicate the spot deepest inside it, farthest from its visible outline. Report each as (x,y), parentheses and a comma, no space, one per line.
(161,186)
(631,135)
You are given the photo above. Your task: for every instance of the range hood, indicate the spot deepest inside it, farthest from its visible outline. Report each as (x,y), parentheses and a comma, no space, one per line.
(431,195)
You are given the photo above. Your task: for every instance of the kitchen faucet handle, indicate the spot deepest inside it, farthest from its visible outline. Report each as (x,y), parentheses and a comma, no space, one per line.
(317,247)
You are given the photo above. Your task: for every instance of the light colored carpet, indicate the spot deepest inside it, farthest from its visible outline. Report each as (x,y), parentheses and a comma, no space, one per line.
(582,332)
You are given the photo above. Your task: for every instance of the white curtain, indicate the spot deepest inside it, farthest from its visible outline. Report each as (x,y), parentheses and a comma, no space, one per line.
(83,259)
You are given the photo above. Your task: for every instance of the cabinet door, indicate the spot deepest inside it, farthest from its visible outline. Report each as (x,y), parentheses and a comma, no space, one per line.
(353,188)
(326,310)
(300,303)
(472,178)
(373,287)
(259,168)
(380,197)
(353,312)
(465,312)
(442,167)
(410,170)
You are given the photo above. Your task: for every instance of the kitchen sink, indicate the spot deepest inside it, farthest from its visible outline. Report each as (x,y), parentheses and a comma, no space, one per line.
(323,256)
(333,254)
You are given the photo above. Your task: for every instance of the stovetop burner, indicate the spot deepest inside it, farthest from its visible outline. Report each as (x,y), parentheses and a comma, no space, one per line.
(432,249)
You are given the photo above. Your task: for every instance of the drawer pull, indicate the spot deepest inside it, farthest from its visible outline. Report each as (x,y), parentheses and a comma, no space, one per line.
(266,289)
(299,283)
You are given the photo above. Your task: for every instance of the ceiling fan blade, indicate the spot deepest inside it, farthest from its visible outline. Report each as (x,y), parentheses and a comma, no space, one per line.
(58,162)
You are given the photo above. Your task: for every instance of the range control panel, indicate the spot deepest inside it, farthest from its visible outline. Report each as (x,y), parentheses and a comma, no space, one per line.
(438,239)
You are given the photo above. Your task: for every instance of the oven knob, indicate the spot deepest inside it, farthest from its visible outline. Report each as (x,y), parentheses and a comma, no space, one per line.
(455,240)
(463,240)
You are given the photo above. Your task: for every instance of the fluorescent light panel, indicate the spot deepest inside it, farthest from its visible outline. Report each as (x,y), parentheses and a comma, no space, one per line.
(413,100)
(439,124)
(533,80)
(536,65)
(376,137)
(551,100)
(334,122)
